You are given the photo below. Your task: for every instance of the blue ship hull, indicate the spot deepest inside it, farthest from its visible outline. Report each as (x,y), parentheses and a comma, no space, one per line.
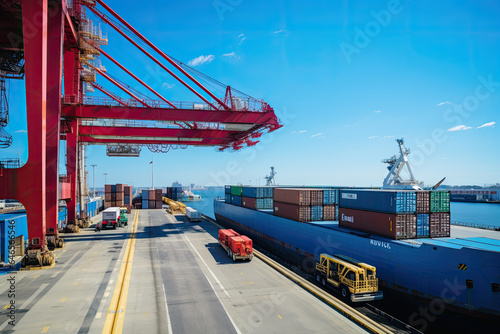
(434,269)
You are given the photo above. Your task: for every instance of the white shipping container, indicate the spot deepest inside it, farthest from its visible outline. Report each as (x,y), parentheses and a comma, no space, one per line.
(112,214)
(192,214)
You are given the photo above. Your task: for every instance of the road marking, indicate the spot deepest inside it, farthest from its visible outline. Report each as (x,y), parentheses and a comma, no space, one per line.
(249,283)
(116,312)
(169,328)
(76,283)
(98,315)
(106,294)
(64,299)
(242,273)
(45,329)
(6,306)
(279,316)
(84,269)
(36,276)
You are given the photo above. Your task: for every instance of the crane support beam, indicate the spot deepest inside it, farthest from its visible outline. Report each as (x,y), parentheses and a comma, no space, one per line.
(71,167)
(102,17)
(153,140)
(164,114)
(135,77)
(111,95)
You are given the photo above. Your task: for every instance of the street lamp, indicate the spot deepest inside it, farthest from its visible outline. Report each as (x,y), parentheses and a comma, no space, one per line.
(105,179)
(93,174)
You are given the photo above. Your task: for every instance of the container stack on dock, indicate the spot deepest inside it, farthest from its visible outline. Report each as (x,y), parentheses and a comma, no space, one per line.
(117,195)
(152,198)
(258,198)
(174,193)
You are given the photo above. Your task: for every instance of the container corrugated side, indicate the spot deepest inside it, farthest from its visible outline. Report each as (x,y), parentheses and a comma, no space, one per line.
(257,192)
(422,225)
(297,196)
(227,189)
(440,201)
(316,197)
(145,195)
(295,212)
(145,203)
(236,190)
(227,198)
(330,196)
(439,225)
(236,200)
(316,213)
(402,226)
(264,203)
(248,202)
(329,212)
(387,201)
(423,202)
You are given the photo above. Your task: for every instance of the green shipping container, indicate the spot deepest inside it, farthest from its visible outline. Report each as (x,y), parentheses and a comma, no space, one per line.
(440,201)
(236,190)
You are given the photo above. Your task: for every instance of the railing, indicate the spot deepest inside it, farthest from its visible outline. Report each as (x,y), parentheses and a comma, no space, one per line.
(473,225)
(10,163)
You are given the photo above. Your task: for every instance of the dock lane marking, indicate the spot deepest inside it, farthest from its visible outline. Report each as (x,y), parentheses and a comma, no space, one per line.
(6,306)
(45,329)
(64,299)
(169,328)
(116,312)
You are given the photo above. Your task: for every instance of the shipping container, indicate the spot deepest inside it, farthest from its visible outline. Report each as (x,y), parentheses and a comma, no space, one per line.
(248,202)
(423,202)
(329,212)
(119,188)
(113,188)
(440,201)
(138,205)
(236,200)
(107,188)
(387,201)
(145,194)
(145,203)
(439,225)
(227,198)
(394,226)
(316,213)
(158,194)
(257,192)
(301,213)
(159,204)
(151,204)
(107,196)
(264,204)
(330,196)
(236,190)
(422,224)
(13,229)
(192,214)
(151,195)
(126,199)
(119,196)
(227,189)
(299,196)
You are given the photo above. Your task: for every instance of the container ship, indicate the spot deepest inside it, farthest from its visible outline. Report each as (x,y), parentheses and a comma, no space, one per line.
(401,230)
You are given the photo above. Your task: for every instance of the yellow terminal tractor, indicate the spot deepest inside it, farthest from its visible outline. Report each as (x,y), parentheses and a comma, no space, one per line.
(356,281)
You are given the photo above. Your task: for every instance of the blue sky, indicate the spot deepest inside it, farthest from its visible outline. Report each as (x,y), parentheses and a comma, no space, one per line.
(346,79)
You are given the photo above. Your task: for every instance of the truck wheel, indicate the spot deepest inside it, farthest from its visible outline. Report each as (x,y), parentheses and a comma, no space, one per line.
(318,277)
(344,291)
(114,227)
(234,257)
(323,281)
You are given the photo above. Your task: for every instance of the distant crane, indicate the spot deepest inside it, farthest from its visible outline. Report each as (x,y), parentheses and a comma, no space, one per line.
(393,180)
(270,180)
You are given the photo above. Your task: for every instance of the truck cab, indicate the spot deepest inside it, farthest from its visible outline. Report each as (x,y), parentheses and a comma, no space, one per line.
(123,221)
(356,281)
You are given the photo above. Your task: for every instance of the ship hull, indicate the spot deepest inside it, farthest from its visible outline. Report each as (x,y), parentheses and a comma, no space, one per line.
(430,272)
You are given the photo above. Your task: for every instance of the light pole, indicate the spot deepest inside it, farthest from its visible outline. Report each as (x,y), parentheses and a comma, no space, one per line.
(153,172)
(93,174)
(105,179)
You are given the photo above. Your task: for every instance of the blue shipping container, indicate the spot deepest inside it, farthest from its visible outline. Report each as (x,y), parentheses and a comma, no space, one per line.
(227,189)
(227,198)
(316,213)
(126,199)
(258,192)
(387,201)
(62,216)
(145,194)
(236,200)
(145,204)
(263,203)
(113,188)
(16,222)
(422,225)
(330,196)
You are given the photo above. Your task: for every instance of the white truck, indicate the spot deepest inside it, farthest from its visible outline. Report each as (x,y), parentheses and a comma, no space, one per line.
(110,217)
(192,214)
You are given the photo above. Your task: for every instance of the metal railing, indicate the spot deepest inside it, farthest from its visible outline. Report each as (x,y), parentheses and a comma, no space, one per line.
(473,225)
(10,163)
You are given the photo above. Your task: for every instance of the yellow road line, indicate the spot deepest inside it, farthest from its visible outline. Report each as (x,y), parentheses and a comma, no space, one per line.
(64,299)
(45,329)
(116,313)
(6,306)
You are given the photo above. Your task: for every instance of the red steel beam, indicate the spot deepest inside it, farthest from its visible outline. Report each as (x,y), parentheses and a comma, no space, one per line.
(102,17)
(71,168)
(204,142)
(135,77)
(164,114)
(161,53)
(152,132)
(99,87)
(119,86)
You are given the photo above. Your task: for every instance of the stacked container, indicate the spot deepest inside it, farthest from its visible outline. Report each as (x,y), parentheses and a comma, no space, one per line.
(298,203)
(174,193)
(439,214)
(258,198)
(145,199)
(152,199)
(330,202)
(115,196)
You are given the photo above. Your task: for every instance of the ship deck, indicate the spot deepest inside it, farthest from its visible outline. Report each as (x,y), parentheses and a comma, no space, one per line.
(180,281)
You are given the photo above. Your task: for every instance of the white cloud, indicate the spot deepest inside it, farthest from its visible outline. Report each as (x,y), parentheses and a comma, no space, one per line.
(241,35)
(377,111)
(372,137)
(241,41)
(167,85)
(388,137)
(459,128)
(442,103)
(318,134)
(293,132)
(486,125)
(278,31)
(230,55)
(201,60)
(21,131)
(302,131)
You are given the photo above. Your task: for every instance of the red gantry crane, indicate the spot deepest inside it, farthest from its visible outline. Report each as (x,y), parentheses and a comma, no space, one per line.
(42,41)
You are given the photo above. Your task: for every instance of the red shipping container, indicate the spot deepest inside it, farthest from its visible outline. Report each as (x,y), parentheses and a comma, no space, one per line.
(107,188)
(151,194)
(299,196)
(127,190)
(316,197)
(107,197)
(402,226)
(159,204)
(423,202)
(300,213)
(329,212)
(152,204)
(439,225)
(113,196)
(119,196)
(249,202)
(119,187)
(108,204)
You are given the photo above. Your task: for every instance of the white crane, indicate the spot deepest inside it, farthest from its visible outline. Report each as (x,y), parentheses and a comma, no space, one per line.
(393,180)
(270,181)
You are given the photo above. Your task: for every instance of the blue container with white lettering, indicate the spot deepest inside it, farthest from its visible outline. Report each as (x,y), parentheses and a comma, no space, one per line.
(386,201)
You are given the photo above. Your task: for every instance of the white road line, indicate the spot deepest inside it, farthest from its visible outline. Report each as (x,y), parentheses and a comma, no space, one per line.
(169,328)
(98,315)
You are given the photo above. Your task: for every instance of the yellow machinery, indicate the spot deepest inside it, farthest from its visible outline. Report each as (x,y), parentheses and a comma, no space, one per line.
(356,281)
(174,205)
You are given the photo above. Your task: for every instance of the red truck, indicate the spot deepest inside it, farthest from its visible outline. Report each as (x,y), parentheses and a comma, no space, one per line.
(238,247)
